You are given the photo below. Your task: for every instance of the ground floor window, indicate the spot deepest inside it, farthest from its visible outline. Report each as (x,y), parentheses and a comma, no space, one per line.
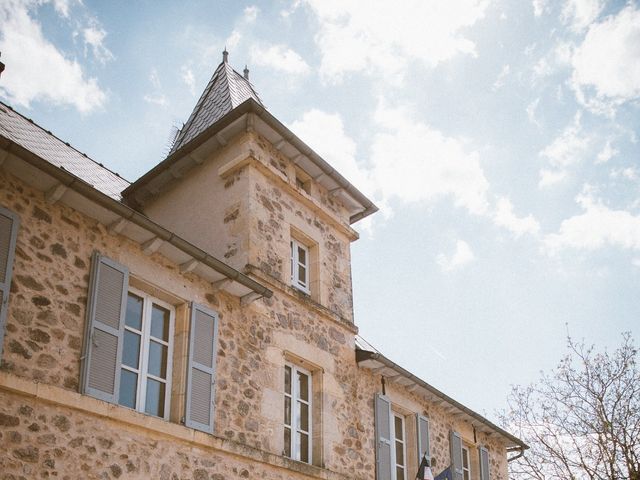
(297,413)
(145,378)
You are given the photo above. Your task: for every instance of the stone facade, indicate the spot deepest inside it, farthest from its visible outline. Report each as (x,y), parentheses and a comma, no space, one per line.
(243,204)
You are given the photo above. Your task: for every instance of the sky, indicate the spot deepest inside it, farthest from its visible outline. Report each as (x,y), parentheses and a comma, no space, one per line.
(498,137)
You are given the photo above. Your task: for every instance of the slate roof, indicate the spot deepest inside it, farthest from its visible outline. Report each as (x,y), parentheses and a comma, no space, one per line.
(226,90)
(44,144)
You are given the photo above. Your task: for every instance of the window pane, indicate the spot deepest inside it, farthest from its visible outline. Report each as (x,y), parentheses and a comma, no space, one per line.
(287,379)
(304,447)
(304,417)
(131,349)
(303,386)
(399,453)
(287,442)
(160,323)
(465,458)
(128,386)
(287,410)
(157,359)
(399,428)
(302,255)
(154,403)
(302,275)
(133,316)
(400,473)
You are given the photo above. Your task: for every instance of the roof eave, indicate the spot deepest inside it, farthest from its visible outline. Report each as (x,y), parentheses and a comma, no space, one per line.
(252,106)
(364,355)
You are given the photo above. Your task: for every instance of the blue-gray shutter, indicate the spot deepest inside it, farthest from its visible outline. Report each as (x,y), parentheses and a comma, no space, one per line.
(384,448)
(104,330)
(201,374)
(424,447)
(9,222)
(484,464)
(456,455)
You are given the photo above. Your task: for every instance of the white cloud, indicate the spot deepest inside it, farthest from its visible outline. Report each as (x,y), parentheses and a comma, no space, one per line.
(63,6)
(539,7)
(598,226)
(504,217)
(94,36)
(416,163)
(157,97)
(606,66)
(279,57)
(36,69)
(570,147)
(607,153)
(250,14)
(460,258)
(549,177)
(384,37)
(555,59)
(579,14)
(636,262)
(233,39)
(502,76)
(188,78)
(628,173)
(531,111)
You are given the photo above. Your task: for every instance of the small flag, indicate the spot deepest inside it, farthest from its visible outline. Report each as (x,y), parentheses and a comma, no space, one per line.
(424,472)
(445,475)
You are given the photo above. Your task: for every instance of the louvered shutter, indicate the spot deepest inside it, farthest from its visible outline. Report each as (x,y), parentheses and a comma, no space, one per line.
(456,455)
(105,328)
(201,375)
(422,426)
(9,222)
(384,450)
(484,463)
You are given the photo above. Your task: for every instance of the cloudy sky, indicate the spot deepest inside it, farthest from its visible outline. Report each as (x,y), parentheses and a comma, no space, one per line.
(499,138)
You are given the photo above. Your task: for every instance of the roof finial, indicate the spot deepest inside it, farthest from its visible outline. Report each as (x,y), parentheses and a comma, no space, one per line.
(246,73)
(225,55)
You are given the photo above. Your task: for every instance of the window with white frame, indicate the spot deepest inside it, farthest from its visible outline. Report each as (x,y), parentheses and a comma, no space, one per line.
(297,413)
(400,445)
(466,464)
(299,266)
(145,378)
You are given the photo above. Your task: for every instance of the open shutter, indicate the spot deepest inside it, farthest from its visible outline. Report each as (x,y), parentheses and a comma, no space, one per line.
(456,455)
(9,222)
(105,328)
(201,376)
(384,451)
(484,463)
(422,427)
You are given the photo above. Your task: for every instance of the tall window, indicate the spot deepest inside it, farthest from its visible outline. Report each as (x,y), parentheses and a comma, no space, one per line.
(297,413)
(400,444)
(299,266)
(466,464)
(145,379)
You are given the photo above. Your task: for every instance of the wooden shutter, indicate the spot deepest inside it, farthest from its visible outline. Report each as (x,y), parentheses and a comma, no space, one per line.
(484,463)
(104,329)
(456,455)
(384,448)
(422,427)
(201,376)
(9,222)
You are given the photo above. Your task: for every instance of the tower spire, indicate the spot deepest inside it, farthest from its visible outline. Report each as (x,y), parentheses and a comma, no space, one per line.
(225,55)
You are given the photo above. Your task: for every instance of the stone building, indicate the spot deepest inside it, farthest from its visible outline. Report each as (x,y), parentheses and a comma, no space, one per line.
(198,323)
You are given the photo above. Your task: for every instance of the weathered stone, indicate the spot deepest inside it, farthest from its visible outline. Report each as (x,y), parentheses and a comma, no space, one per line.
(29,282)
(40,214)
(28,454)
(116,470)
(40,301)
(17,348)
(62,423)
(46,361)
(58,249)
(38,335)
(8,420)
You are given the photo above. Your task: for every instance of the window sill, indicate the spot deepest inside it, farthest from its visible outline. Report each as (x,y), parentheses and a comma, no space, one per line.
(117,414)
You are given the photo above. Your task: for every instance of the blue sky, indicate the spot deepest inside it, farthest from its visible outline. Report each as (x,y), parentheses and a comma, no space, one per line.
(499,138)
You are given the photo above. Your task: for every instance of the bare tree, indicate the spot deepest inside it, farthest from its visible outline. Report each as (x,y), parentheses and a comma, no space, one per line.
(582,421)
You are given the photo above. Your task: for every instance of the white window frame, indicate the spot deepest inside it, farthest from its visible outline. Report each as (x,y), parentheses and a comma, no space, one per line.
(295,398)
(403,441)
(296,281)
(143,360)
(466,471)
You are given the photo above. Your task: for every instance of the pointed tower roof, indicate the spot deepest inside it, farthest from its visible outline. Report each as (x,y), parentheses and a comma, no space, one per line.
(226,90)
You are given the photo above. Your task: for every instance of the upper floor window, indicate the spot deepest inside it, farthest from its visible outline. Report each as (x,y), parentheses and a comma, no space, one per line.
(400,441)
(145,375)
(300,266)
(466,464)
(297,413)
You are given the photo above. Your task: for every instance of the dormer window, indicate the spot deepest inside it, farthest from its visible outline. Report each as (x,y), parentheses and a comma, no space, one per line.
(299,266)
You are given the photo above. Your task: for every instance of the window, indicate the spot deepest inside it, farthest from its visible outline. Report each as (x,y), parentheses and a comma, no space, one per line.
(297,413)
(145,375)
(400,444)
(466,464)
(300,266)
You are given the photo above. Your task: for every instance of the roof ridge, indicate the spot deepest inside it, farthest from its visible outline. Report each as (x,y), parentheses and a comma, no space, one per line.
(48,132)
